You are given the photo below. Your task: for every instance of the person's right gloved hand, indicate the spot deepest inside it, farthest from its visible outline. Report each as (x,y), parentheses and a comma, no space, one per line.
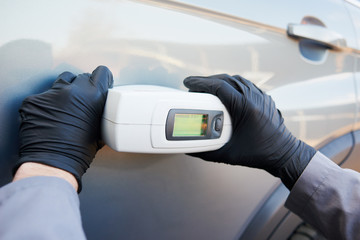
(260,139)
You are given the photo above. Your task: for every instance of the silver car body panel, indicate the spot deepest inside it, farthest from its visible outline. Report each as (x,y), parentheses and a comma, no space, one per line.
(139,196)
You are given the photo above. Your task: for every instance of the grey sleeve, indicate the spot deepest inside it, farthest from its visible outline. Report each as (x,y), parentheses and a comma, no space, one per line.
(40,208)
(328,197)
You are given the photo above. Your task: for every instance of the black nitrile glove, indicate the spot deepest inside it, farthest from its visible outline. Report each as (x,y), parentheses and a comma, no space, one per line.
(61,127)
(260,138)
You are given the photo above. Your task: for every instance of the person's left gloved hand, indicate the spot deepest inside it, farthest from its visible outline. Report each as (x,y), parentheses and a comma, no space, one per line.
(61,127)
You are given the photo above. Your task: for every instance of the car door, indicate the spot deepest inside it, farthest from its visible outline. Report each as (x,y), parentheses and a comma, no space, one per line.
(175,196)
(353,7)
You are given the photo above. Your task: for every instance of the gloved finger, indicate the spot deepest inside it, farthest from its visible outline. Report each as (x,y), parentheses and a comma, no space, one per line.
(82,80)
(102,78)
(232,80)
(228,95)
(217,155)
(235,81)
(247,83)
(200,84)
(100,144)
(64,78)
(211,156)
(211,79)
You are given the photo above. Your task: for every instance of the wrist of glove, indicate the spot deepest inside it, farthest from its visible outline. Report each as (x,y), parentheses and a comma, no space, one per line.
(293,164)
(61,127)
(260,139)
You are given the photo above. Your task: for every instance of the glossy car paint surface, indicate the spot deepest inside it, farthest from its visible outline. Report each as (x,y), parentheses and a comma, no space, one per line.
(138,196)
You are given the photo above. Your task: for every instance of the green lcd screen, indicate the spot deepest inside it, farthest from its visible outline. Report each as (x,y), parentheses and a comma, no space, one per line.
(190,125)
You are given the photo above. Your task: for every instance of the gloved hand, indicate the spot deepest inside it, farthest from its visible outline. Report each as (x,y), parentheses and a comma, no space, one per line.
(61,127)
(260,139)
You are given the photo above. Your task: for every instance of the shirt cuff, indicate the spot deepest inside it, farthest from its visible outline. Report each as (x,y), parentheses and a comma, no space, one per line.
(45,182)
(313,177)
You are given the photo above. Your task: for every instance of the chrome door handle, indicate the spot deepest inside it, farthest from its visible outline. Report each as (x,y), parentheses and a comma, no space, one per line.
(318,34)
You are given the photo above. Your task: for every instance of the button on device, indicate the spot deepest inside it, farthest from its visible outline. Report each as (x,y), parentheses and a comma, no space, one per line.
(218,124)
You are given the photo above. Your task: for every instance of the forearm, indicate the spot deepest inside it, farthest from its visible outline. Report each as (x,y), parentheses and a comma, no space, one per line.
(40,207)
(327,197)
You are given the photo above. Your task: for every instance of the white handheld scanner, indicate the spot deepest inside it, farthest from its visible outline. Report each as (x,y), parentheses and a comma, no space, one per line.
(154,119)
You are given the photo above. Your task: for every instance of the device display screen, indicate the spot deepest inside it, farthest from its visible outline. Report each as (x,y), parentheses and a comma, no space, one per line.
(189,125)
